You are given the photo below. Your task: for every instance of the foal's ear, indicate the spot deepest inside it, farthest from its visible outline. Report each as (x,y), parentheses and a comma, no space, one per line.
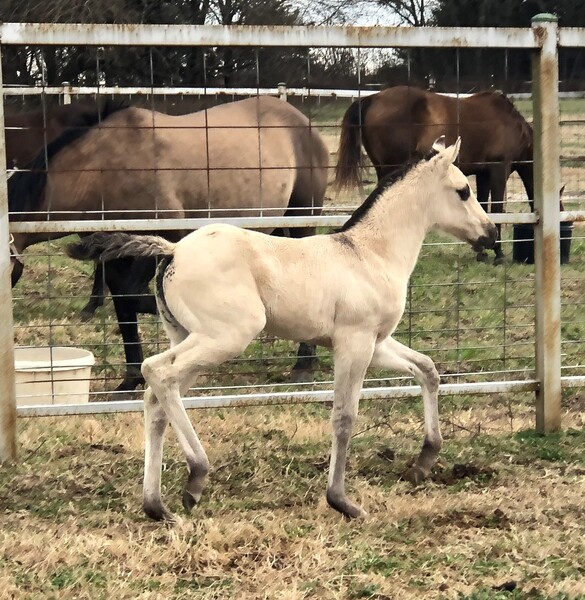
(447,155)
(438,145)
(454,150)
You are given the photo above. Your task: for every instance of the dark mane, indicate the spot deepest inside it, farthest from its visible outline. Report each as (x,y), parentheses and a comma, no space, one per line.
(508,106)
(25,187)
(386,182)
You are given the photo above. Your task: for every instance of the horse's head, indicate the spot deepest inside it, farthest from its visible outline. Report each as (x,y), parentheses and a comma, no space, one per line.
(456,208)
(16,264)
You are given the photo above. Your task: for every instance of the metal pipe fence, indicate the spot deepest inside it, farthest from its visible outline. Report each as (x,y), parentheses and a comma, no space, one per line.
(501,329)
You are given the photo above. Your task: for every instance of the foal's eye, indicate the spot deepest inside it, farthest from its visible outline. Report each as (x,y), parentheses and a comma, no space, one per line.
(464,193)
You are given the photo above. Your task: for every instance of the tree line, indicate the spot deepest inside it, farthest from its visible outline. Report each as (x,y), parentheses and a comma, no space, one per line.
(442,69)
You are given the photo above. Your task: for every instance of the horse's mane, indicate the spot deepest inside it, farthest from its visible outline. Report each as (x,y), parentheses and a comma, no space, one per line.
(507,105)
(386,182)
(25,186)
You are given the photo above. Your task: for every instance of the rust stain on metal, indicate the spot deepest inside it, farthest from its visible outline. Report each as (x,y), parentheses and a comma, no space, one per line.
(539,34)
(550,258)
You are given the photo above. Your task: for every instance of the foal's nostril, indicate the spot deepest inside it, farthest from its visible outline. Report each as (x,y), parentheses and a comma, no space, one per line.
(492,236)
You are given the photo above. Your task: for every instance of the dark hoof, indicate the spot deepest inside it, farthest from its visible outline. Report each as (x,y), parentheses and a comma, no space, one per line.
(345,507)
(130,383)
(499,260)
(301,376)
(87,314)
(158,512)
(414,475)
(188,501)
(482,257)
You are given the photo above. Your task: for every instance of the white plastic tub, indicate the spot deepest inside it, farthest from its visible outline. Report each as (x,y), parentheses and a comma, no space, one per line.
(55,375)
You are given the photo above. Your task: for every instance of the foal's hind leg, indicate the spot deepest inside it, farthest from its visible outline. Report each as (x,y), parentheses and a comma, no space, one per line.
(170,373)
(393,355)
(155,425)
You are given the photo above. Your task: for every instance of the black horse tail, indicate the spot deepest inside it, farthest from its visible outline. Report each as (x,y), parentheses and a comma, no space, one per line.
(349,157)
(25,186)
(106,246)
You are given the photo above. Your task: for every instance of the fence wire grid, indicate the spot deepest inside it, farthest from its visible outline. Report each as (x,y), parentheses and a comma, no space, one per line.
(476,320)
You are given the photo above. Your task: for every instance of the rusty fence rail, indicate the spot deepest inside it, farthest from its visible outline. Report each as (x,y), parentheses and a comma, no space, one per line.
(66,92)
(543,39)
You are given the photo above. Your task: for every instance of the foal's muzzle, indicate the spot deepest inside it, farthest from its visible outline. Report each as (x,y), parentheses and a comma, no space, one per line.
(486,241)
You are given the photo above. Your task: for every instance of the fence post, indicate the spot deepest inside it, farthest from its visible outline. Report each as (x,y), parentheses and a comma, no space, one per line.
(66,92)
(7,391)
(282,91)
(547,235)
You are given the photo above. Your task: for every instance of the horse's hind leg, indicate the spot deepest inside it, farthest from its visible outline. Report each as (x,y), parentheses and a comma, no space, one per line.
(307,361)
(125,307)
(155,425)
(393,355)
(171,372)
(482,180)
(97,293)
(499,178)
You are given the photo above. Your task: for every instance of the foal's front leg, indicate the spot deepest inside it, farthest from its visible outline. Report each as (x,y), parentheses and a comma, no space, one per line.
(352,354)
(393,355)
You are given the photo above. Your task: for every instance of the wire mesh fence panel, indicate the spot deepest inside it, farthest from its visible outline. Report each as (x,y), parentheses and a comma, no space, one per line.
(169,158)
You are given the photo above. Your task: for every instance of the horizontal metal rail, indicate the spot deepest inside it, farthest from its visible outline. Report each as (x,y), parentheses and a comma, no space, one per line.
(268,399)
(186,91)
(283,92)
(304,92)
(60,34)
(87,226)
(571,37)
(382,393)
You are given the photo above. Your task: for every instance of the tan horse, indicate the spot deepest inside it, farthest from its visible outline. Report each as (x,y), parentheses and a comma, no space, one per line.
(402,122)
(254,157)
(345,290)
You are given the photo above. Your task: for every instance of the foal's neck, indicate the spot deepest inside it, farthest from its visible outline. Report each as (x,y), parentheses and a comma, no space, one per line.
(395,226)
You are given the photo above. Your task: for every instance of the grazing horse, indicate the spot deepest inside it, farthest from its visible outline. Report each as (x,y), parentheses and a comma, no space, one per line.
(401,122)
(345,290)
(255,157)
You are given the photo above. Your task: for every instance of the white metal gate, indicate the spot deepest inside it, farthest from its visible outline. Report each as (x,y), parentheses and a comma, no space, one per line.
(544,39)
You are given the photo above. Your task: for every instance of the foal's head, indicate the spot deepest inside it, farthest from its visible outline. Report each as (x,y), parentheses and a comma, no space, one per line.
(455,207)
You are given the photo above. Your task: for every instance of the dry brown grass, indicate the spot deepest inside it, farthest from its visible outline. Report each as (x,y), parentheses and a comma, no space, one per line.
(512,511)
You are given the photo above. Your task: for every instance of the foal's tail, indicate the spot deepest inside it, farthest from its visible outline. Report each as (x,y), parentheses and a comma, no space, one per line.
(108,246)
(349,156)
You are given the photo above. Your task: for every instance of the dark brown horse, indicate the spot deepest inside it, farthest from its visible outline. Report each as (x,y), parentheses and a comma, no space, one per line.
(248,158)
(402,122)
(26,133)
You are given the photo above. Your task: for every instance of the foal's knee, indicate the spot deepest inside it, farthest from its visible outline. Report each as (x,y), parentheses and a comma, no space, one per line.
(155,372)
(429,373)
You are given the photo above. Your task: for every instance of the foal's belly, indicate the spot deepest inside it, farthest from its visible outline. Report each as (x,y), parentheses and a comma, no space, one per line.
(299,327)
